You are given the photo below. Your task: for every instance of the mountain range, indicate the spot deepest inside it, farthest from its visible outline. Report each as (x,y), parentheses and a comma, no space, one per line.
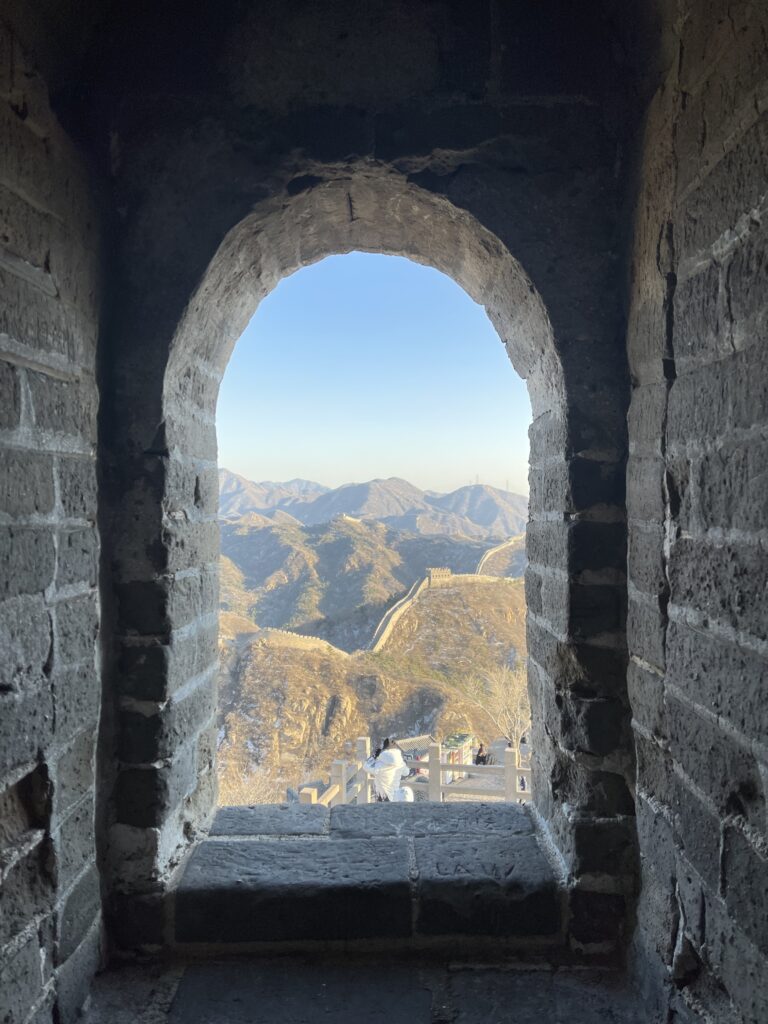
(476,511)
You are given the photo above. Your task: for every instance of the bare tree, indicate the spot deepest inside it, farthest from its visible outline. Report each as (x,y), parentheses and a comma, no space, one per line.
(502,695)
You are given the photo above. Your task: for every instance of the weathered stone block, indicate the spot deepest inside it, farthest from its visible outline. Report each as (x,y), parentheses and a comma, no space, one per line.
(22,976)
(723,677)
(646,627)
(76,629)
(26,892)
(145,796)
(697,830)
(74,843)
(10,396)
(489,885)
(73,773)
(654,769)
(724,582)
(428,819)
(145,738)
(137,921)
(75,975)
(190,544)
(646,697)
(77,914)
(273,820)
(77,698)
(602,847)
(26,640)
(26,483)
(77,487)
(645,560)
(28,559)
(745,884)
(26,724)
(596,917)
(701,328)
(722,769)
(65,407)
(748,281)
(250,891)
(589,669)
(725,488)
(645,491)
(646,421)
(78,556)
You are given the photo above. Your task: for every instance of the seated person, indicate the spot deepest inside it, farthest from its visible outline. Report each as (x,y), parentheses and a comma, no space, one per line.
(481,757)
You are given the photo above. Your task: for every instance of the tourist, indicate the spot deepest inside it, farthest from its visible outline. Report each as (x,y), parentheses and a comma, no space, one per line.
(388,767)
(481,757)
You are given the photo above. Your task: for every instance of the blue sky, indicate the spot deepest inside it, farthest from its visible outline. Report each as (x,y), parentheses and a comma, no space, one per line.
(365,366)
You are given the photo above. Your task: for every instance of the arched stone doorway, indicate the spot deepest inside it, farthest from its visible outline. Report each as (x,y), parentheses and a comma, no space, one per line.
(161,465)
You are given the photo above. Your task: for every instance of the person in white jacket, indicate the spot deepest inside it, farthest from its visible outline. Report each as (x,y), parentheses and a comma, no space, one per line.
(388,768)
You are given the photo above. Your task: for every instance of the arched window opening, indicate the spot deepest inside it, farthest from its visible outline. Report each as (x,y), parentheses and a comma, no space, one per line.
(373,453)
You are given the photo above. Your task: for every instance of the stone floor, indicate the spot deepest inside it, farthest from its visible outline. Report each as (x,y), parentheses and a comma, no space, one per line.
(299,873)
(290,991)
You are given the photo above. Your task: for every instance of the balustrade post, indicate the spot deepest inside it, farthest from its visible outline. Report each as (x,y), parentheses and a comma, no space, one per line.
(434,756)
(363,748)
(308,796)
(339,778)
(510,774)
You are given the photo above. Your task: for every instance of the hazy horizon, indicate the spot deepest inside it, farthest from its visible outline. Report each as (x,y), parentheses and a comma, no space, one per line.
(364,367)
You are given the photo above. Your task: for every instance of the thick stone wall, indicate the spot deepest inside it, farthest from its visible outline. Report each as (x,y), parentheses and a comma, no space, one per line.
(50,693)
(449,145)
(697,496)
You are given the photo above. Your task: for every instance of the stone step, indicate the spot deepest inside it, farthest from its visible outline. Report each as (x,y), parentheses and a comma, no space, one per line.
(300,874)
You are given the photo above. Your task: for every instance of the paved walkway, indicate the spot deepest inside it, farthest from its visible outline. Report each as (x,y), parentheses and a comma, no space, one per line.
(298,992)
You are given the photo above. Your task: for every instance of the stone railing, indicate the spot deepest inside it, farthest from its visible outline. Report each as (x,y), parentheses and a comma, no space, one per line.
(349,782)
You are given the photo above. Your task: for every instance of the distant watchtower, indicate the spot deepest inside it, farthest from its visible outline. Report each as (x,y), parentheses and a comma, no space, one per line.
(438,577)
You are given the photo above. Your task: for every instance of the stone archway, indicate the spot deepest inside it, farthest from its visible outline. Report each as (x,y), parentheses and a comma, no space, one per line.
(165,529)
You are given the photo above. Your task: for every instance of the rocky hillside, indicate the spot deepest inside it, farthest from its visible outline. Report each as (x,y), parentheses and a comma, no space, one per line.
(334,580)
(288,705)
(477,511)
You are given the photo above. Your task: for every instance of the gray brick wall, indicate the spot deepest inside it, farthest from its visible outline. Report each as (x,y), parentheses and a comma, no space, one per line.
(50,690)
(697,496)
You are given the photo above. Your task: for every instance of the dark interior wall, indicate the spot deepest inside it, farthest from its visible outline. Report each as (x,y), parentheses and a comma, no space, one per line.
(49,606)
(505,113)
(696,501)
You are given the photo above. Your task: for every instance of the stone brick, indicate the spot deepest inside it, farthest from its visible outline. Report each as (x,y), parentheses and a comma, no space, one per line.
(427,819)
(697,830)
(26,483)
(26,892)
(596,917)
(28,558)
(22,976)
(276,820)
(654,769)
(718,398)
(26,640)
(586,668)
(748,281)
(645,419)
(646,628)
(731,189)
(486,886)
(593,725)
(26,724)
(10,396)
(701,326)
(35,320)
(724,489)
(137,921)
(723,582)
(145,738)
(74,843)
(725,771)
(75,975)
(577,545)
(77,627)
(602,847)
(722,677)
(745,884)
(145,796)
(645,491)
(646,697)
(78,553)
(646,559)
(73,773)
(77,699)
(239,891)
(77,487)
(737,963)
(65,407)
(77,914)
(576,485)
(190,544)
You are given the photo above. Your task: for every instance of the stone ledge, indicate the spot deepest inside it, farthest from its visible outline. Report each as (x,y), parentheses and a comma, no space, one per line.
(429,819)
(272,820)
